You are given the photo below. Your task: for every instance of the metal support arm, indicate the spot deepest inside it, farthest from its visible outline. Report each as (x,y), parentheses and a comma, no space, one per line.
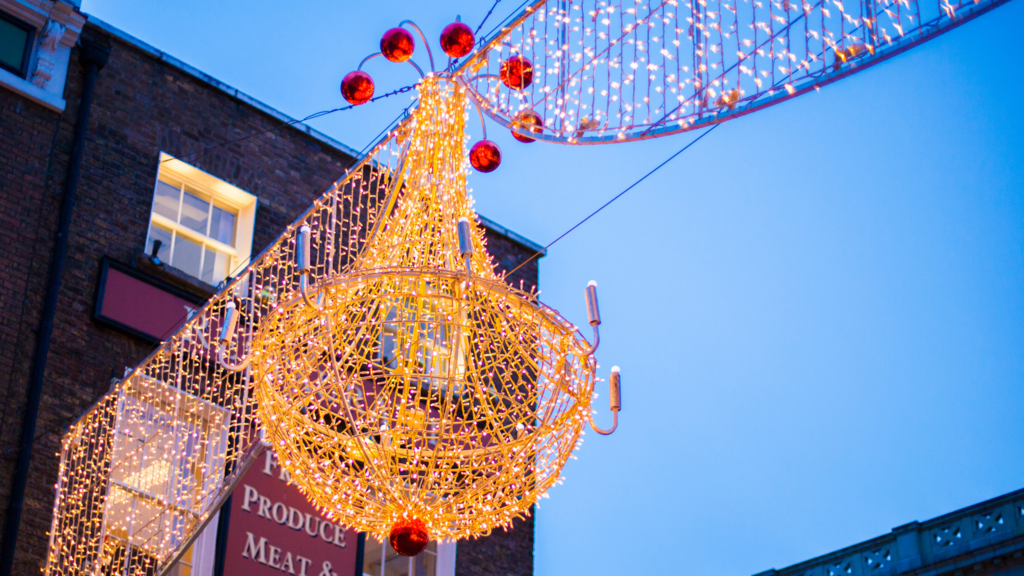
(226,332)
(614,402)
(466,246)
(614,391)
(593,315)
(302,262)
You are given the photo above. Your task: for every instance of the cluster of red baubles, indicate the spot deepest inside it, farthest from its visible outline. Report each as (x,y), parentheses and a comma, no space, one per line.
(398,45)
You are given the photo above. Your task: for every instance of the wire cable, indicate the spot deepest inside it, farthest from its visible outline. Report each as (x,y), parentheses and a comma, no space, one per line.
(497,26)
(488,15)
(312,116)
(616,197)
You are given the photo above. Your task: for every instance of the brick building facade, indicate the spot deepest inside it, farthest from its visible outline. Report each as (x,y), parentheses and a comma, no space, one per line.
(144,103)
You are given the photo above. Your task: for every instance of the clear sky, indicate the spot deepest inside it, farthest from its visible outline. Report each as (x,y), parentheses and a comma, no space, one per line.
(818,309)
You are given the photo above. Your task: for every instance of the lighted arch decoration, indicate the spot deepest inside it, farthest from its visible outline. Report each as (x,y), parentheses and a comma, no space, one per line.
(615,71)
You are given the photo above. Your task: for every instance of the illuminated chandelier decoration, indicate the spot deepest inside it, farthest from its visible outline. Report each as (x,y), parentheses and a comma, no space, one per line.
(418,392)
(410,391)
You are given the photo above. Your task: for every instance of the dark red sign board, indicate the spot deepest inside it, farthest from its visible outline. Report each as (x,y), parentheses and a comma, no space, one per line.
(273,529)
(143,306)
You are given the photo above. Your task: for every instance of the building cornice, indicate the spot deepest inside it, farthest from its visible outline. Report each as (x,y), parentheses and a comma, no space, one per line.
(513,236)
(221,86)
(970,537)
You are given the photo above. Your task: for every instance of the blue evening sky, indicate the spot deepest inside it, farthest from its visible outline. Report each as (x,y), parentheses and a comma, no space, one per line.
(818,309)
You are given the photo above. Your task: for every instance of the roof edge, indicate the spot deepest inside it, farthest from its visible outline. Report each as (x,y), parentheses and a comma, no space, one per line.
(513,236)
(227,89)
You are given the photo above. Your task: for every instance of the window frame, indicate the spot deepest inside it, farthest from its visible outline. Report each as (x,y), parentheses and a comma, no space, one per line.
(443,556)
(187,178)
(26,58)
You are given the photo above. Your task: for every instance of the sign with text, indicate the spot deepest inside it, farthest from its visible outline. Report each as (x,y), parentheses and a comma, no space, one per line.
(274,530)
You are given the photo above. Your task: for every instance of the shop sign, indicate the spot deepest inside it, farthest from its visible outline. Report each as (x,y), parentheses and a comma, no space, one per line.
(274,530)
(140,305)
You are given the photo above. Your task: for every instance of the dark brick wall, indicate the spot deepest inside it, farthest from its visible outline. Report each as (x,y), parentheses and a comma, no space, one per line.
(140,108)
(34,148)
(500,554)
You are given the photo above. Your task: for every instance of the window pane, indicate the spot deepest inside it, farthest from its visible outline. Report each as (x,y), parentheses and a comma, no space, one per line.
(13,43)
(164,236)
(371,557)
(424,564)
(222,226)
(167,200)
(215,266)
(394,563)
(187,256)
(195,213)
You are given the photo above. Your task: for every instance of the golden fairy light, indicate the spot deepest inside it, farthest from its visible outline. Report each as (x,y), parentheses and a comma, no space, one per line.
(418,385)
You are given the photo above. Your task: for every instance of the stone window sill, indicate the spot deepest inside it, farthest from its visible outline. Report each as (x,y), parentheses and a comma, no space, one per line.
(31,91)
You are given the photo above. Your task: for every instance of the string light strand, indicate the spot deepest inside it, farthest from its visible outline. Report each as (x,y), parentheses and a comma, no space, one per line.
(488,15)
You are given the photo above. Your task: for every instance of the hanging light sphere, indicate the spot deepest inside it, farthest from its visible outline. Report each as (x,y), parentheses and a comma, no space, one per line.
(485,156)
(409,536)
(397,45)
(357,87)
(516,72)
(529,120)
(412,395)
(457,40)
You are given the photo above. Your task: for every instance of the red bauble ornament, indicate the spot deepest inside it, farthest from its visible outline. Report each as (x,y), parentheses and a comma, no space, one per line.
(409,536)
(529,120)
(485,156)
(517,72)
(457,40)
(357,87)
(397,45)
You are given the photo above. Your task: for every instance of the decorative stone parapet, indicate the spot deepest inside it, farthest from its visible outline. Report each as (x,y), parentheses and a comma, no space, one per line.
(977,539)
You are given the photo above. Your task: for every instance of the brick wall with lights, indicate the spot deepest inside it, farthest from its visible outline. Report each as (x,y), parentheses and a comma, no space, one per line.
(144,103)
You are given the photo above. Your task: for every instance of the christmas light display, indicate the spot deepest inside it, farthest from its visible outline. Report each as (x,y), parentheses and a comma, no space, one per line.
(410,391)
(418,385)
